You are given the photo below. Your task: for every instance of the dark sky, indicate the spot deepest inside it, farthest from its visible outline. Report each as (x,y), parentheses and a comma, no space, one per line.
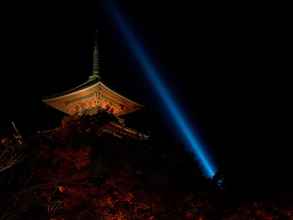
(227,65)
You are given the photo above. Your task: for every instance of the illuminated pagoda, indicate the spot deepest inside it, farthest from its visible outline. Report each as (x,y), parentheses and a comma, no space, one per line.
(93,95)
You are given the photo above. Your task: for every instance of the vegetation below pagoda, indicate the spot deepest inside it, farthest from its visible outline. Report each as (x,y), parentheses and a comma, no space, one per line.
(79,172)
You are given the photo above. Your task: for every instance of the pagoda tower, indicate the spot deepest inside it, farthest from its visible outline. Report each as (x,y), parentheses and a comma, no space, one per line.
(92,94)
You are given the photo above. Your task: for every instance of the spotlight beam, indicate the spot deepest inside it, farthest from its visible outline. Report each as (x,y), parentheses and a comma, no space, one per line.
(170,105)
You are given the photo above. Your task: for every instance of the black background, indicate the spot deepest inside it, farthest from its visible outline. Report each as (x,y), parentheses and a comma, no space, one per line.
(226,64)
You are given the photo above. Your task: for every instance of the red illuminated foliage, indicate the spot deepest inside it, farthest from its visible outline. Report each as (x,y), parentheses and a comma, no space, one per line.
(77,174)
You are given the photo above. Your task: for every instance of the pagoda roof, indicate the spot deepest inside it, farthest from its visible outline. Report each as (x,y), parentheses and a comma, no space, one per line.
(91,94)
(71,90)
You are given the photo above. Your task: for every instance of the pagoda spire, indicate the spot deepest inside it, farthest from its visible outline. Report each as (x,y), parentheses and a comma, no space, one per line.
(95,71)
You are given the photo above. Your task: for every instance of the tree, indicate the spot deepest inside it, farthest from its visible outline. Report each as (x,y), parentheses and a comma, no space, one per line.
(11,153)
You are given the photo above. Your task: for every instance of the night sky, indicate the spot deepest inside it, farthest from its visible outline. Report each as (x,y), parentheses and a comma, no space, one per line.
(226,64)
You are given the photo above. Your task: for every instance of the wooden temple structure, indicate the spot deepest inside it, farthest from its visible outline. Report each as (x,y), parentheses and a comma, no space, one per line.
(94,95)
(90,95)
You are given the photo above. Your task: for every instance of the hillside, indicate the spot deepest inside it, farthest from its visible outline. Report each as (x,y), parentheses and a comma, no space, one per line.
(80,170)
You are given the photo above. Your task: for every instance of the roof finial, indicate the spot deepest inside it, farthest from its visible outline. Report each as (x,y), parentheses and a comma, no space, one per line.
(95,72)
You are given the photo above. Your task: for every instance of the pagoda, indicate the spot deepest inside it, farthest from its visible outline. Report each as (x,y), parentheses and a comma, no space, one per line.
(91,95)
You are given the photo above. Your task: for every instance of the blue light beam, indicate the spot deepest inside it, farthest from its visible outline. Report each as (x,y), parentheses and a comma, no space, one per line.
(169,103)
